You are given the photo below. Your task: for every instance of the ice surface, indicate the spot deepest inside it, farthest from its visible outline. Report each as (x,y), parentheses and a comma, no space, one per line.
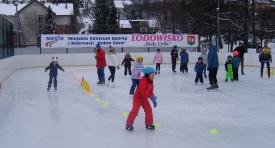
(240,114)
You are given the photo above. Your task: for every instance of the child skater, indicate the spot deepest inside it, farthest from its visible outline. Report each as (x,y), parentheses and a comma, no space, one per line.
(158,59)
(236,62)
(137,70)
(184,60)
(229,69)
(54,66)
(127,62)
(145,91)
(199,69)
(113,65)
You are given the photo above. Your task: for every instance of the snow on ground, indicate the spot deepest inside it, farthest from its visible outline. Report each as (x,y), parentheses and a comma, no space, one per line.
(241,113)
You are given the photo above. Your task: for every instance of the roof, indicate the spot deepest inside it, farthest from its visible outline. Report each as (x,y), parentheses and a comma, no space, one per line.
(60,9)
(124,24)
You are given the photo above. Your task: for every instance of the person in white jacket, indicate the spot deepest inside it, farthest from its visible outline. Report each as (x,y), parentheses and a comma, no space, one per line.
(204,57)
(112,63)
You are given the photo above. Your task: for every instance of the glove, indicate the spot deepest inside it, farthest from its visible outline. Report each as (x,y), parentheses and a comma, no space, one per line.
(154,100)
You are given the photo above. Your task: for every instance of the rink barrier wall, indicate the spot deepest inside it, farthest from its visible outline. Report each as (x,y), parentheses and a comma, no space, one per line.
(9,65)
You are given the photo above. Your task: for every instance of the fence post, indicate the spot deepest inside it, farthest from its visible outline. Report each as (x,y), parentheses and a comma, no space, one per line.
(66,34)
(122,49)
(148,49)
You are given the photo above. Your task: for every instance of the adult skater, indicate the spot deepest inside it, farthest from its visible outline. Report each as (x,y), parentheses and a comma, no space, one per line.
(213,65)
(142,95)
(265,57)
(100,64)
(112,63)
(241,51)
(174,57)
(53,67)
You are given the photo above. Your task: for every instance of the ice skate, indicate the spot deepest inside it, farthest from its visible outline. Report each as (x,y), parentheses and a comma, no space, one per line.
(129,128)
(150,127)
(55,89)
(113,85)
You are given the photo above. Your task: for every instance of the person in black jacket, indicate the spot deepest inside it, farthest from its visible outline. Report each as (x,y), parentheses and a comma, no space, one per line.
(127,62)
(174,57)
(241,51)
(53,67)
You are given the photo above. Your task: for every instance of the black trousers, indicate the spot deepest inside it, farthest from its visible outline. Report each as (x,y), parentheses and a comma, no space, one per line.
(174,64)
(268,68)
(157,67)
(183,67)
(236,73)
(113,72)
(213,76)
(127,68)
(54,79)
(199,77)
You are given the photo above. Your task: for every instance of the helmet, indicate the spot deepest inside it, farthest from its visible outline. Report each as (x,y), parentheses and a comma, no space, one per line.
(148,70)
(139,57)
(236,53)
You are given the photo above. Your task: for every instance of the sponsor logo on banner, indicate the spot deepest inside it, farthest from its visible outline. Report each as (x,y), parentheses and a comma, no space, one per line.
(191,39)
(51,40)
(118,40)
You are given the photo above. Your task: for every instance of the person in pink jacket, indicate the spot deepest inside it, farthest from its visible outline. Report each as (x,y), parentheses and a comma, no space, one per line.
(158,59)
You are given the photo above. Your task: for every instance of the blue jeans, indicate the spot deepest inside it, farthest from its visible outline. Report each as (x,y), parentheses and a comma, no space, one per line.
(101,75)
(134,85)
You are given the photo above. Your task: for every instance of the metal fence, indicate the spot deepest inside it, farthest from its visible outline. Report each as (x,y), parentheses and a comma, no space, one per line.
(6,38)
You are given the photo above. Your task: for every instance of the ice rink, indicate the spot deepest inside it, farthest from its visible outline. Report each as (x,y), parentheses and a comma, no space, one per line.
(238,115)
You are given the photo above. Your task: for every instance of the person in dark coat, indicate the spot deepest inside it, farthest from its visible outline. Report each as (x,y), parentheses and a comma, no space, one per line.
(53,67)
(199,69)
(184,60)
(213,65)
(265,57)
(174,57)
(127,62)
(241,51)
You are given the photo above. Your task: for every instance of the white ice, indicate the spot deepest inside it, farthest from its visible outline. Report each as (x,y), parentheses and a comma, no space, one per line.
(30,117)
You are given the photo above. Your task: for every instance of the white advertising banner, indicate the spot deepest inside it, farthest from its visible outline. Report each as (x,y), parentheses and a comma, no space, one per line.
(118,40)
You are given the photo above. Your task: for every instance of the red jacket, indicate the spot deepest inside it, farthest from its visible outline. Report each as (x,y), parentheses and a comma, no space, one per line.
(100,58)
(145,88)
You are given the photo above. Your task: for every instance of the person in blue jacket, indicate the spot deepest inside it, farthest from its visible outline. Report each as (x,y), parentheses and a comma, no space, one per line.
(184,60)
(236,63)
(53,67)
(213,65)
(199,69)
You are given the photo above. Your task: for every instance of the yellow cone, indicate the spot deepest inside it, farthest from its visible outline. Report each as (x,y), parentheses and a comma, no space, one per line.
(213,131)
(125,114)
(105,105)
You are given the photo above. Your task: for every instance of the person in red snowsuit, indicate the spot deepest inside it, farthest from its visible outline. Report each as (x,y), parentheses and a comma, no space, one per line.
(142,95)
(100,64)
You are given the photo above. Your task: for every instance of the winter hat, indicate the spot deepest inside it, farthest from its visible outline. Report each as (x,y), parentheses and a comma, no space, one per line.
(229,57)
(158,50)
(148,70)
(200,58)
(139,58)
(236,53)
(175,46)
